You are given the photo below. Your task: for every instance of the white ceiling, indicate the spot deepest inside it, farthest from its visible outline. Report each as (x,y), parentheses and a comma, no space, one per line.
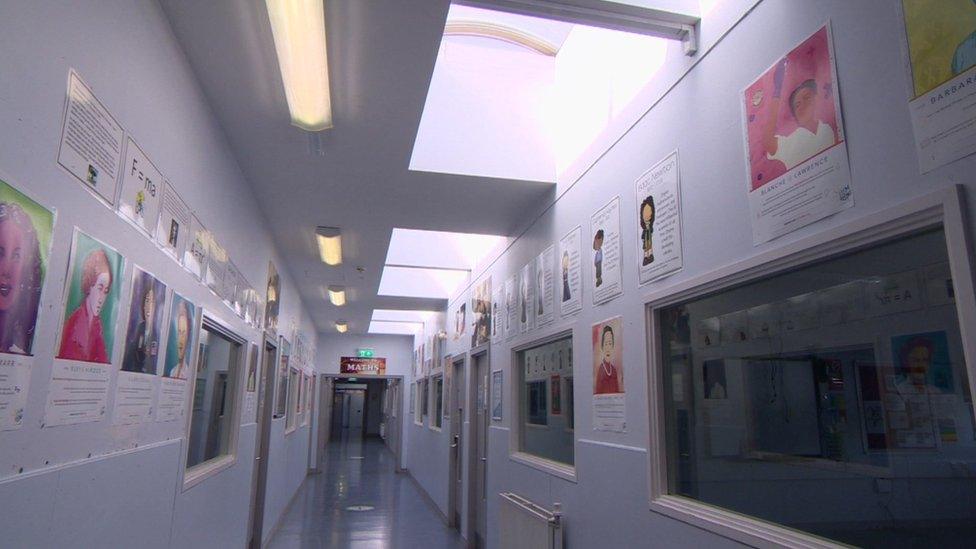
(381,56)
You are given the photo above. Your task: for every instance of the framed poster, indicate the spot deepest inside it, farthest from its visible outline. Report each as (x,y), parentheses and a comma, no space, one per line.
(606,263)
(571,272)
(796,154)
(496,395)
(658,221)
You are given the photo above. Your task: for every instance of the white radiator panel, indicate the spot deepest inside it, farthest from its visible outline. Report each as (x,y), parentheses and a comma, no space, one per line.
(525,525)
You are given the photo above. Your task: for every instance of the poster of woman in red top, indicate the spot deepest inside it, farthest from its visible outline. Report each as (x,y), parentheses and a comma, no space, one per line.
(91,303)
(608,376)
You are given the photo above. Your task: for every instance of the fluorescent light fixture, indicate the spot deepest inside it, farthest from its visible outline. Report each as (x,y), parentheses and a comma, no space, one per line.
(337,295)
(298,27)
(341,326)
(330,245)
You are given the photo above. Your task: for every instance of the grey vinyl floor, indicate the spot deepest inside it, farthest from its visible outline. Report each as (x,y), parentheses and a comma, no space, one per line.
(358,501)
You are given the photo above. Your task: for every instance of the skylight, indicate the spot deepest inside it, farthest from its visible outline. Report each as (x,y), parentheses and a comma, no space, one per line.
(522,97)
(395,328)
(396,315)
(433,264)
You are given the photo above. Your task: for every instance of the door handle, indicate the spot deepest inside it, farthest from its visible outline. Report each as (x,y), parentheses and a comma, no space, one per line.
(484,460)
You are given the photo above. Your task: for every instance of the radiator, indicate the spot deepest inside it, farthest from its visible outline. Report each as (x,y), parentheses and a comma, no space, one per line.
(525,525)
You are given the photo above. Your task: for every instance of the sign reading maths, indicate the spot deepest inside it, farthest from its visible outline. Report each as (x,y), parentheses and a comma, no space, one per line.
(362,366)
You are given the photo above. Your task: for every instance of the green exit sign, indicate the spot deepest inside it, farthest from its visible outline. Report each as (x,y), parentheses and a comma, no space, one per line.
(364,353)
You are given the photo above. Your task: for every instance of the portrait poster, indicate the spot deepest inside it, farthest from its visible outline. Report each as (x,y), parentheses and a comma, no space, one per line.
(496,395)
(526,298)
(144,329)
(571,271)
(658,221)
(26,228)
(609,411)
(91,301)
(544,311)
(796,155)
(91,140)
(195,256)
(605,259)
(271,302)
(174,223)
(141,189)
(925,356)
(940,39)
(497,315)
(460,318)
(182,336)
(511,307)
(898,410)
(481,313)
(281,399)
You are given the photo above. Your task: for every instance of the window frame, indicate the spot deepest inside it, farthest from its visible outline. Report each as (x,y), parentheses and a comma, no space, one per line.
(279,386)
(418,415)
(436,419)
(939,209)
(202,471)
(292,399)
(519,424)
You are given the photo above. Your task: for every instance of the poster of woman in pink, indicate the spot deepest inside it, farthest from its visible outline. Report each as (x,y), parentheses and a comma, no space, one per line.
(795,138)
(791,112)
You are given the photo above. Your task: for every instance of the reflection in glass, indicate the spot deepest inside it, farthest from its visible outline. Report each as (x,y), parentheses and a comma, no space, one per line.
(832,399)
(214,398)
(546,400)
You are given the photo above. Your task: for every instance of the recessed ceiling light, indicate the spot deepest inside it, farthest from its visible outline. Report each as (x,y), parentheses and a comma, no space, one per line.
(298,27)
(337,295)
(341,326)
(330,245)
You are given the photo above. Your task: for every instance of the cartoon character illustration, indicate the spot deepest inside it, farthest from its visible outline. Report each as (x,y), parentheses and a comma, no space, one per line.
(140,203)
(540,291)
(598,257)
(567,294)
(965,54)
(647,215)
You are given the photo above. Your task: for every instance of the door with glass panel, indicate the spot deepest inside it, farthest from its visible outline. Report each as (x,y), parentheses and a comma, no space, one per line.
(456,473)
(480,496)
(266,392)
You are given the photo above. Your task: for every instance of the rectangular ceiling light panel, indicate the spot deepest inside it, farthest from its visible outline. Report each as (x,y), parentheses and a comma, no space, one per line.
(398,328)
(298,27)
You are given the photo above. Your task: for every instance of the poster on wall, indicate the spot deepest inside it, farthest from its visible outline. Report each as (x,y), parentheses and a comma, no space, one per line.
(250,386)
(606,260)
(281,399)
(215,275)
(82,370)
(271,302)
(26,228)
(526,298)
(195,256)
(134,389)
(609,410)
(481,313)
(659,221)
(141,189)
(460,318)
(511,308)
(940,39)
(570,268)
(544,311)
(91,140)
(795,149)
(497,315)
(143,331)
(171,399)
(496,395)
(174,223)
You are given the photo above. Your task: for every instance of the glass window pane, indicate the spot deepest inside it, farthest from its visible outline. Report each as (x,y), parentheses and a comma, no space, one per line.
(438,400)
(832,399)
(546,400)
(214,398)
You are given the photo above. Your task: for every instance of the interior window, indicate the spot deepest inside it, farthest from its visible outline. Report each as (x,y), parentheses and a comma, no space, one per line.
(546,400)
(833,399)
(438,401)
(281,399)
(214,397)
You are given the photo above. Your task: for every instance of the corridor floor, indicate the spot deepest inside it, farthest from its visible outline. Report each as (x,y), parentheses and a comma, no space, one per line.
(358,474)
